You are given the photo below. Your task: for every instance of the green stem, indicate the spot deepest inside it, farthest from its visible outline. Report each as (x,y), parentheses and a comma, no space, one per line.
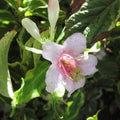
(52,34)
(54,99)
(60,36)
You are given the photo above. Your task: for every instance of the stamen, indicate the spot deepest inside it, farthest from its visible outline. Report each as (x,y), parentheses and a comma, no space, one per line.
(68,67)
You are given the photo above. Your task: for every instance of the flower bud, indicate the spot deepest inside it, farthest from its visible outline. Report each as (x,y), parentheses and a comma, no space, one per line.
(31,28)
(53,12)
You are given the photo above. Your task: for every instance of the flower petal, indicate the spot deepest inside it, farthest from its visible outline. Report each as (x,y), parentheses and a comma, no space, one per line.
(75,44)
(71,85)
(53,79)
(88,66)
(52,51)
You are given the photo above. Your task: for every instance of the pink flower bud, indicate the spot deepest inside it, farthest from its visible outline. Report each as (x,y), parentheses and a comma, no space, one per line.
(53,12)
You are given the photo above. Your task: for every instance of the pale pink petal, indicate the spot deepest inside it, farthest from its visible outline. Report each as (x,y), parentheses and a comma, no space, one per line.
(52,51)
(71,85)
(53,79)
(75,44)
(88,66)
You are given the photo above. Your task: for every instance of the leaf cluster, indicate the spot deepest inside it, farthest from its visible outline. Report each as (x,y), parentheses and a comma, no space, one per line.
(22,73)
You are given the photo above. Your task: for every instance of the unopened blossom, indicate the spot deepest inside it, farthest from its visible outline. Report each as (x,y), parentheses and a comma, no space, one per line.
(69,66)
(31,28)
(53,12)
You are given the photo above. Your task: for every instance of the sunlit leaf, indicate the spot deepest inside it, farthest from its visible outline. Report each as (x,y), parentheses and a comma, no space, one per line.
(31,49)
(45,35)
(41,12)
(35,4)
(94,117)
(36,7)
(5,82)
(36,57)
(27,55)
(74,106)
(32,85)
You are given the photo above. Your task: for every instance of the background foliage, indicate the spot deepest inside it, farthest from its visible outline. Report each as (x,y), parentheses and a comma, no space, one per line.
(22,73)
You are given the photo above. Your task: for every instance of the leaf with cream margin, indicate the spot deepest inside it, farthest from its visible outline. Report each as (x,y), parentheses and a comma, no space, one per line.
(31,86)
(31,46)
(5,81)
(74,106)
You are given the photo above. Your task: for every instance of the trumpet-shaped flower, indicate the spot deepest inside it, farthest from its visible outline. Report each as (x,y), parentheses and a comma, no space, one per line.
(69,67)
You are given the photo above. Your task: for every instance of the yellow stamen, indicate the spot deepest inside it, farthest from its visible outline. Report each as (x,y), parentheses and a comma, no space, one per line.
(66,63)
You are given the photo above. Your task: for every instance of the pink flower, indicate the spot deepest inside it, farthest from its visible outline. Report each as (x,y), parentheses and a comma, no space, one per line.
(69,66)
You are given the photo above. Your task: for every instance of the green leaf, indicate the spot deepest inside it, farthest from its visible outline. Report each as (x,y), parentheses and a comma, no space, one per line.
(5,99)
(6,16)
(108,69)
(36,57)
(94,117)
(92,92)
(31,51)
(60,37)
(37,7)
(41,12)
(74,106)
(62,17)
(34,50)
(3,4)
(117,99)
(35,4)
(45,36)
(5,82)
(12,3)
(95,17)
(27,55)
(118,87)
(32,85)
